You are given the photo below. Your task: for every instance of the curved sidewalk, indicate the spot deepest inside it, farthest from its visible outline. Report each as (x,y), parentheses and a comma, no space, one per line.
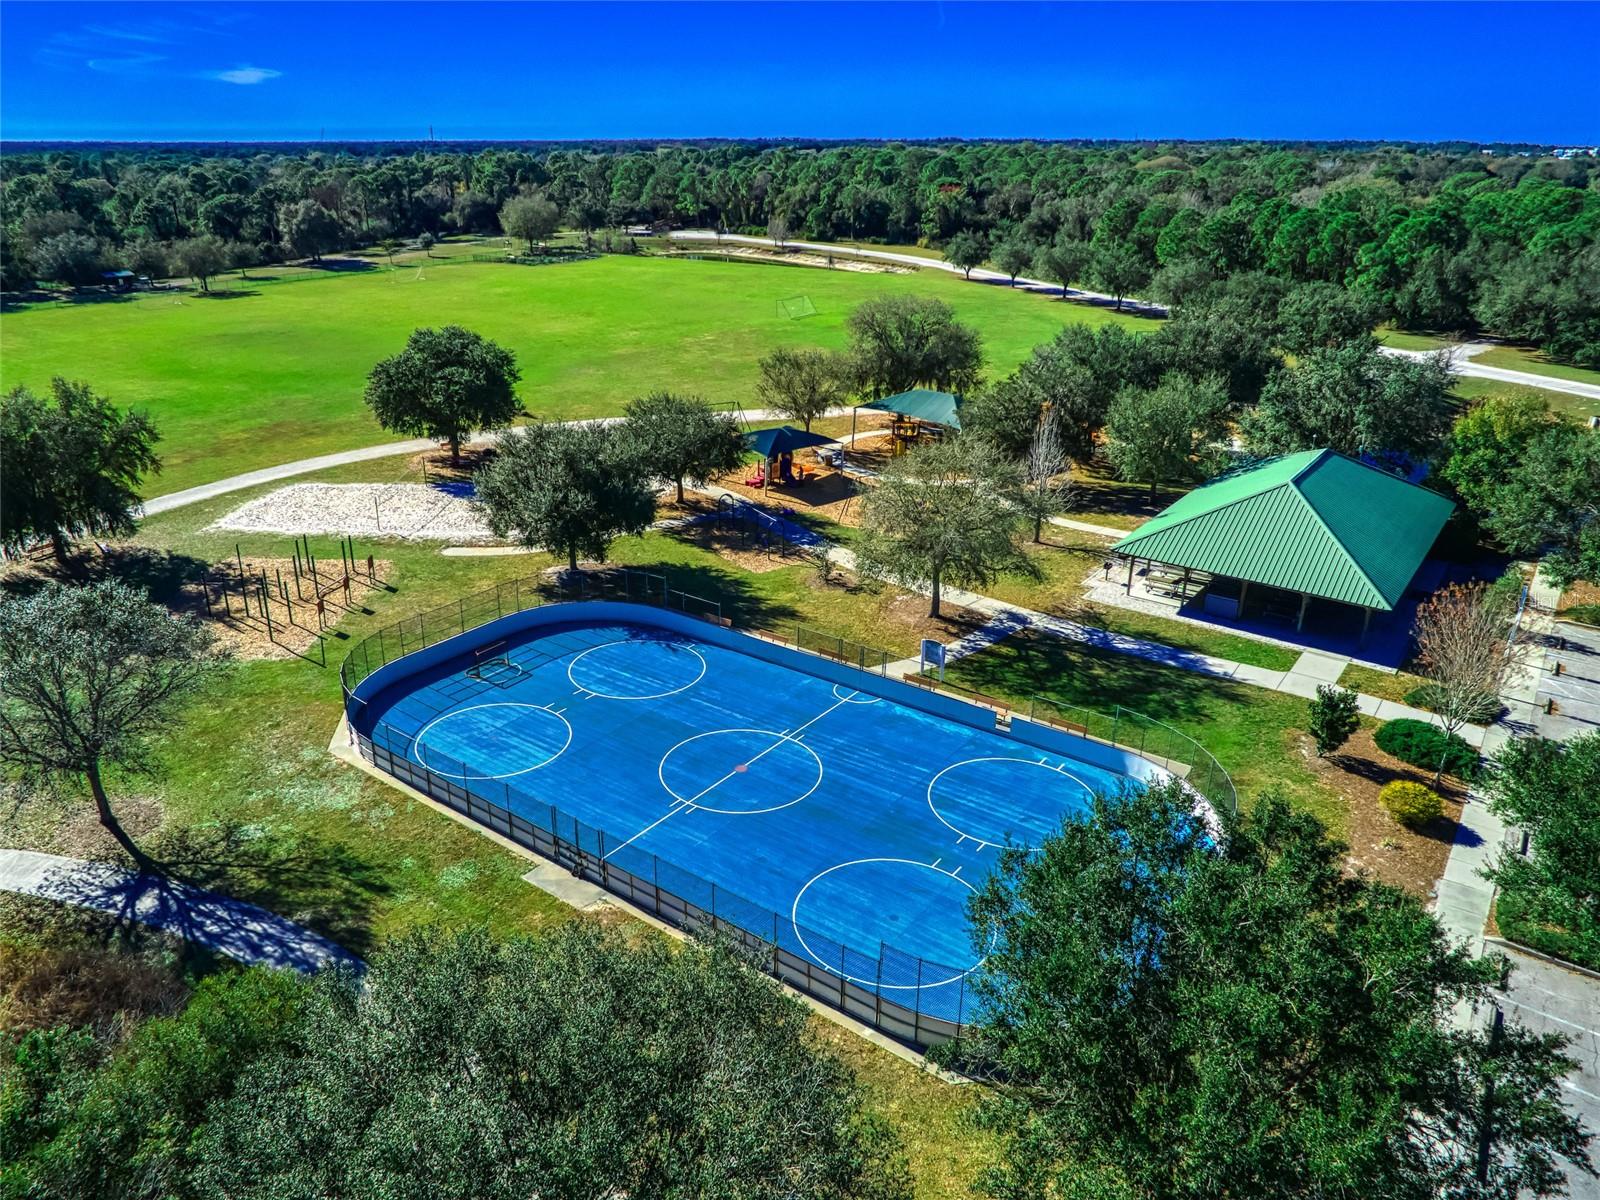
(341,458)
(242,931)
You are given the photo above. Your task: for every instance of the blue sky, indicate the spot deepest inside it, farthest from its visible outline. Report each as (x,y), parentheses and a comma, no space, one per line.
(292,71)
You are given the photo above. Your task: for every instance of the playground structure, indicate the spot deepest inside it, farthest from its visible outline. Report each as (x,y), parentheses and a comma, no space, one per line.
(308,599)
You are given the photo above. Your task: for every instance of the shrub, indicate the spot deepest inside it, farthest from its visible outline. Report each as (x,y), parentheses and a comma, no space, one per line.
(1412,804)
(1428,746)
(1332,718)
(1586,614)
(1483,711)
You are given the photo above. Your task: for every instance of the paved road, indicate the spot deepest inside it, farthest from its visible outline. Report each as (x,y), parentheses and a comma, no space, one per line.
(1552,999)
(241,931)
(1148,308)
(1461,356)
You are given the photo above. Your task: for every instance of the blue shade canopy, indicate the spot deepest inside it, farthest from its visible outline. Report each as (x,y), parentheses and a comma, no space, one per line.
(922,404)
(770,443)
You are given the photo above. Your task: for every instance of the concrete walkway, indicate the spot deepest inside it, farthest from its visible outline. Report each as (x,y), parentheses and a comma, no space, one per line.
(242,931)
(304,466)
(1292,682)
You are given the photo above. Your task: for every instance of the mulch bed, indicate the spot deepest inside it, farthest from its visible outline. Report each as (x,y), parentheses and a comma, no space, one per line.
(1379,845)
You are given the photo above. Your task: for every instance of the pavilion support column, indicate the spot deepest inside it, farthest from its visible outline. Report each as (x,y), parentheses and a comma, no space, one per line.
(1300,621)
(1366,620)
(1128,588)
(1244,590)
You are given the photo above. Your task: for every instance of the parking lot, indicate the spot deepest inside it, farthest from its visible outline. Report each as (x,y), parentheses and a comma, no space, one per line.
(1569,685)
(1553,999)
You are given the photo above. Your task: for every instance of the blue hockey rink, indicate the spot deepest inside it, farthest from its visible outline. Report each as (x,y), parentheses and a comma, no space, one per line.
(858,821)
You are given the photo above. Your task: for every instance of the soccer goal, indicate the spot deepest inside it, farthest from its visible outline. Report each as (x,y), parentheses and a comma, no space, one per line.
(492,665)
(796,307)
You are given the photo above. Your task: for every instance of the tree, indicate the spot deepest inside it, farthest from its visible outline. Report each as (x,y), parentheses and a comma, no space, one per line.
(1119,269)
(83,1125)
(1332,717)
(1063,261)
(88,676)
(902,342)
(73,464)
(74,259)
(1169,1014)
(1551,790)
(966,250)
(1013,256)
(1551,503)
(680,437)
(1074,376)
(444,384)
(580,1063)
(803,383)
(1465,648)
(1487,443)
(1047,490)
(778,228)
(1352,399)
(200,258)
(569,489)
(1163,434)
(531,218)
(943,512)
(426,242)
(1319,315)
(310,230)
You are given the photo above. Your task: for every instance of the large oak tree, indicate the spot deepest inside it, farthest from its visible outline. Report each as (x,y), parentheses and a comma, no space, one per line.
(444,384)
(1171,1010)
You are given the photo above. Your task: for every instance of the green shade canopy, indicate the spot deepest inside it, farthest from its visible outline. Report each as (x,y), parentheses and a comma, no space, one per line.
(770,443)
(1314,522)
(923,404)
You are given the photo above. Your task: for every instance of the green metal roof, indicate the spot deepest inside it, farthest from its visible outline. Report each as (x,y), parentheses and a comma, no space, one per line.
(1314,522)
(924,404)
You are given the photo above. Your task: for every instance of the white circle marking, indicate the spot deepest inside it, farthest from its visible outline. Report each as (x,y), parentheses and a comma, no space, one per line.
(627,642)
(794,920)
(738,812)
(416,742)
(972,837)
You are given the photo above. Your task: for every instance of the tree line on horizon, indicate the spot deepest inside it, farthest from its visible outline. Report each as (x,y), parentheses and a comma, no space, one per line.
(1445,239)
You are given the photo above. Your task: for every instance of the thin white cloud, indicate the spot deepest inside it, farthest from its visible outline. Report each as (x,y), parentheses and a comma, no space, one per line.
(244,75)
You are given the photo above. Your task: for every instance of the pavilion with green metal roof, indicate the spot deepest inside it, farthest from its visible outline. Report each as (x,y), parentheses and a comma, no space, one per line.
(1270,538)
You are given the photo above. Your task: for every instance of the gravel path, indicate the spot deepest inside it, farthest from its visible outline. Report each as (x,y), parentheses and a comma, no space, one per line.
(412,511)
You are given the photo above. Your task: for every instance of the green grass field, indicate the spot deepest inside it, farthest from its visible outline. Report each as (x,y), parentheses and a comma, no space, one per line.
(1516,358)
(1577,407)
(270,374)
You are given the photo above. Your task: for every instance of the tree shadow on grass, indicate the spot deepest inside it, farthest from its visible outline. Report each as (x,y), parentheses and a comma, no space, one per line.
(1071,674)
(730,590)
(226,889)
(160,573)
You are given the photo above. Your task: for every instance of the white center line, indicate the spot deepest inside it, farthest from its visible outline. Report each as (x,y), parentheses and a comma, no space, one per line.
(689,803)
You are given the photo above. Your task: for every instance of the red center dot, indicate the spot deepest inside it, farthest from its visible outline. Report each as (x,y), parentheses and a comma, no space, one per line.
(742,767)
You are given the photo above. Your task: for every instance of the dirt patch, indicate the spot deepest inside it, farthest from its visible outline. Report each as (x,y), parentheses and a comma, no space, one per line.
(1379,845)
(289,624)
(62,821)
(434,466)
(828,493)
(1580,595)
(216,593)
(741,553)
(793,258)
(908,613)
